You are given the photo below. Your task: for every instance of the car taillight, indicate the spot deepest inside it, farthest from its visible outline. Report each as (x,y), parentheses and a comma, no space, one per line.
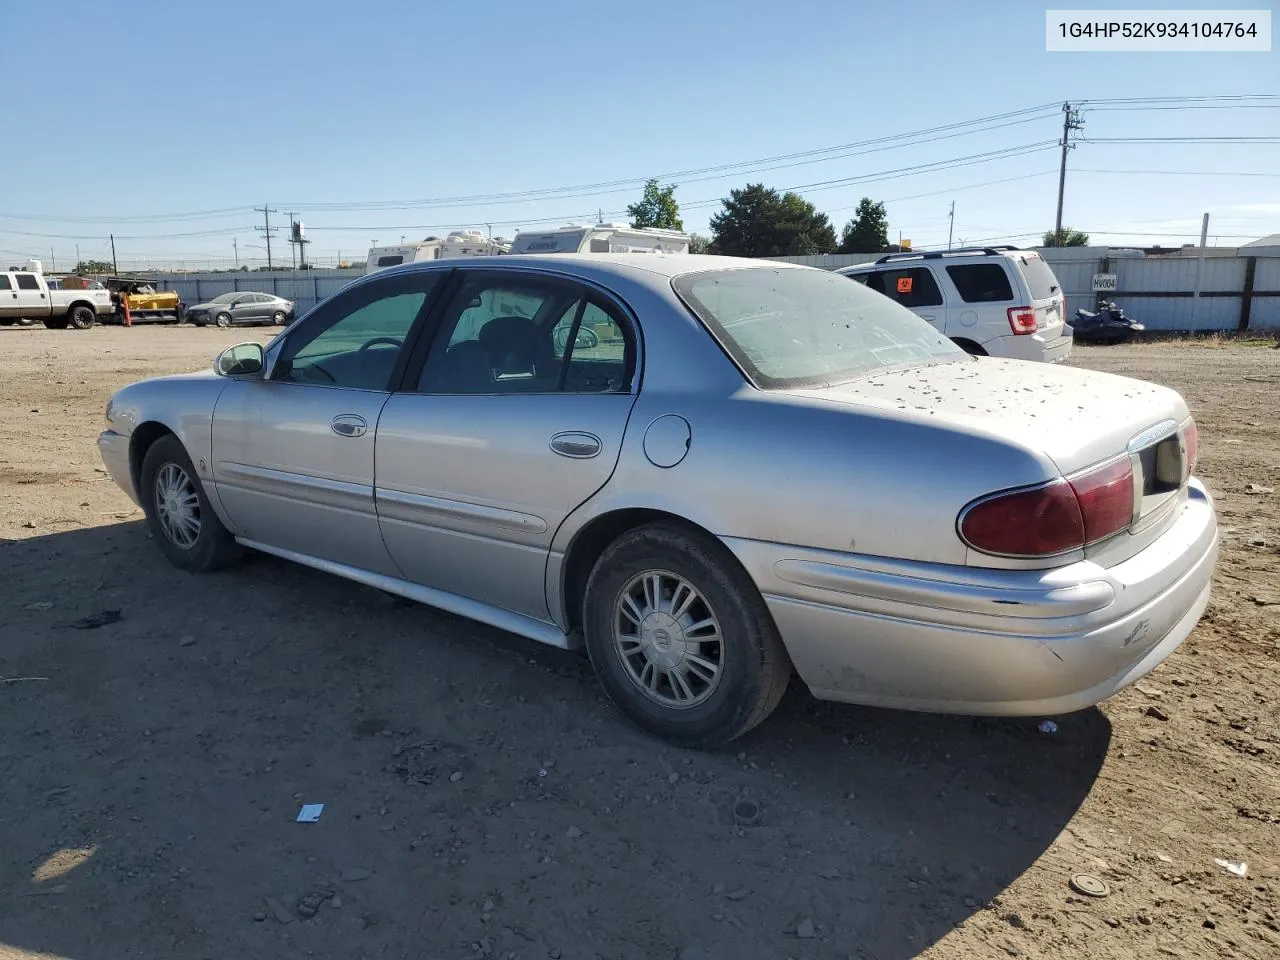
(1056,518)
(1190,449)
(1022,320)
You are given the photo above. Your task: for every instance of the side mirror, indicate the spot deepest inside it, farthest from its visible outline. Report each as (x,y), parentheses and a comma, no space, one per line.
(243,359)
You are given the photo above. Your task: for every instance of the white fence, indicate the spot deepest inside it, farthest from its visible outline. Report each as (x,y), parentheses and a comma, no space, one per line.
(1236,292)
(1159,291)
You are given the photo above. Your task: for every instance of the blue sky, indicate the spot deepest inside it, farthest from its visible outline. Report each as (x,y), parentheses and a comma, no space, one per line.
(196,113)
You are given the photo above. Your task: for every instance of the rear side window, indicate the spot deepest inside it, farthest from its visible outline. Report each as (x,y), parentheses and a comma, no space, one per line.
(27,281)
(981,282)
(1039,276)
(910,286)
(4,282)
(391,261)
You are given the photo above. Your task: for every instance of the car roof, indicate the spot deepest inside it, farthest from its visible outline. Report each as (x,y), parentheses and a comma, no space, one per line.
(601,266)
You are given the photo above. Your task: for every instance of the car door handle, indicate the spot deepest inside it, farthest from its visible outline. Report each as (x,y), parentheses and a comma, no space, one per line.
(576,444)
(349,425)
(928,316)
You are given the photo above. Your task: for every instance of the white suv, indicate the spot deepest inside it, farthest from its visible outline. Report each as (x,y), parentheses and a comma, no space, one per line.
(992,301)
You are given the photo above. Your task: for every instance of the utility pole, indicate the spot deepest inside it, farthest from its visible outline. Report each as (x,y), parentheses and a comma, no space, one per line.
(115,267)
(53,264)
(235,248)
(78,260)
(293,250)
(1195,300)
(267,230)
(1070,121)
(951,226)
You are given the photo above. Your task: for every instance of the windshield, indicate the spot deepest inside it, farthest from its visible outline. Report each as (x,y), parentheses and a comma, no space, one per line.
(224,298)
(790,327)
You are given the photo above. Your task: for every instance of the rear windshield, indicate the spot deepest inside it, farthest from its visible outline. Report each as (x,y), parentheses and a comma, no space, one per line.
(1039,277)
(800,328)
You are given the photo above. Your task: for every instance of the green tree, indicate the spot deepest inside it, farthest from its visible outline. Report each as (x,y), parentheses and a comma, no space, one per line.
(657,208)
(1066,237)
(868,231)
(699,244)
(758,222)
(92,266)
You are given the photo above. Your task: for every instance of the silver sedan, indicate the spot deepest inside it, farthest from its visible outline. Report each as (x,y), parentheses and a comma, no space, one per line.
(241,307)
(710,473)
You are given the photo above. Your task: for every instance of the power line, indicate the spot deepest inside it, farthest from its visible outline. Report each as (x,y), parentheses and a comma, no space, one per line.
(1180,140)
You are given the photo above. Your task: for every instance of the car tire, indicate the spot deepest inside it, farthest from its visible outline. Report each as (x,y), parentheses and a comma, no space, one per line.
(971,348)
(179,516)
(689,704)
(55,323)
(25,321)
(223,320)
(81,318)
(279,318)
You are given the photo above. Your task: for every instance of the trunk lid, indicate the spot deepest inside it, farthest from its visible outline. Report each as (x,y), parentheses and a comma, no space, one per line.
(1077,418)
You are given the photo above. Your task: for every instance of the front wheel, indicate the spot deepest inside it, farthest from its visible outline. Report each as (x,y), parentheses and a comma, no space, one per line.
(680,638)
(178,512)
(223,320)
(279,318)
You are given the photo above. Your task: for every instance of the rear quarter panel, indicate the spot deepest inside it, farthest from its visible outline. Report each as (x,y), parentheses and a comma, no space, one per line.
(764,466)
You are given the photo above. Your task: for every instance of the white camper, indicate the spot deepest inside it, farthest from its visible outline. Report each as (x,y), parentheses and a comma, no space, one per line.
(601,238)
(459,243)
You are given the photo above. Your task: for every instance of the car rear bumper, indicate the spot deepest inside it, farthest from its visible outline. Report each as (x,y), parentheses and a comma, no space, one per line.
(1052,346)
(114,448)
(999,642)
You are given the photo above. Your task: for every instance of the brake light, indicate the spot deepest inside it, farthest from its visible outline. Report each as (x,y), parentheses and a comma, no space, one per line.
(1022,320)
(1056,518)
(1105,496)
(1190,449)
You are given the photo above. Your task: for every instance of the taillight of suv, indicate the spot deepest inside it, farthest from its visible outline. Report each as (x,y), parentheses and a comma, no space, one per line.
(1022,320)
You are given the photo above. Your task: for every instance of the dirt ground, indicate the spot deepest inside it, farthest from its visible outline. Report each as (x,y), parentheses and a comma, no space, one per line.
(483,800)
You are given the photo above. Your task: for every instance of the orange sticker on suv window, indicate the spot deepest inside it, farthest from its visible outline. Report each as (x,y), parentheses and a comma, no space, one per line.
(904,284)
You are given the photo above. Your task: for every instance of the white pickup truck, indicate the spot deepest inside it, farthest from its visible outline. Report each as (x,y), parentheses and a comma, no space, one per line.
(25,297)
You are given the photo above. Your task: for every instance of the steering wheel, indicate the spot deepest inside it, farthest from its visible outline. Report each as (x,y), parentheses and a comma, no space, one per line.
(377,340)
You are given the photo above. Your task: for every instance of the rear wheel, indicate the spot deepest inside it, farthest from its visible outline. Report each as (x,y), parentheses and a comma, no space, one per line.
(178,512)
(81,317)
(223,319)
(55,323)
(680,637)
(971,348)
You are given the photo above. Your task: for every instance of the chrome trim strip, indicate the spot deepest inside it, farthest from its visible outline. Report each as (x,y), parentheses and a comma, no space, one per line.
(1044,602)
(1161,431)
(462,606)
(411,508)
(341,494)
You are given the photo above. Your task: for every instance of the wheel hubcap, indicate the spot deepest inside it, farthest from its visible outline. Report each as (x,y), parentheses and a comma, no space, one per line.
(177,506)
(668,638)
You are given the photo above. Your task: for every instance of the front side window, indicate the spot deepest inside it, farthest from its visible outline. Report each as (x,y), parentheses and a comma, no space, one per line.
(791,327)
(981,282)
(516,333)
(357,338)
(27,281)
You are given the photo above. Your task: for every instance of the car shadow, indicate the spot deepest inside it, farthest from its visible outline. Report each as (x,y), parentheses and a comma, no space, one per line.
(478,788)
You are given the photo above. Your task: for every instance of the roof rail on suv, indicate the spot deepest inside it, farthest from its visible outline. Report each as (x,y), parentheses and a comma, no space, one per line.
(938,254)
